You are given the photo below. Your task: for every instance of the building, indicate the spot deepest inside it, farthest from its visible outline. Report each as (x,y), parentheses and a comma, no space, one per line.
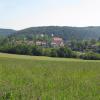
(57,42)
(41,43)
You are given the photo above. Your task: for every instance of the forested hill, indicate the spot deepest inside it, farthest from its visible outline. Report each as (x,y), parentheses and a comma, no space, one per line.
(5,32)
(65,32)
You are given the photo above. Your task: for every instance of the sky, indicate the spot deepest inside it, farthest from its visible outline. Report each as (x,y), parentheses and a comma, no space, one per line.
(20,14)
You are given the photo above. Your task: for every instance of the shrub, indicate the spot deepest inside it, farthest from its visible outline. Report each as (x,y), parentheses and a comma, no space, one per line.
(90,56)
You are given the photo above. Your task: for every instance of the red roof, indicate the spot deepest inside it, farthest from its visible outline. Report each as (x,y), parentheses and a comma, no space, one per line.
(57,39)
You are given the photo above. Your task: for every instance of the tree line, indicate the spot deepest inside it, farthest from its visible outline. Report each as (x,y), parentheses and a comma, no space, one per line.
(37,51)
(84,49)
(63,52)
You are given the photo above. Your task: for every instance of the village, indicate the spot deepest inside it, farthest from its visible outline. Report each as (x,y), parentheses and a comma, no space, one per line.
(55,41)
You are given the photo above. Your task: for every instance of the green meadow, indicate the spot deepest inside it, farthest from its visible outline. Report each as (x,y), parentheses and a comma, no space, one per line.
(45,78)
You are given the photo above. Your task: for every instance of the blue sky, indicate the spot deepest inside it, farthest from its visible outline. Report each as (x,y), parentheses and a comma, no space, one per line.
(19,14)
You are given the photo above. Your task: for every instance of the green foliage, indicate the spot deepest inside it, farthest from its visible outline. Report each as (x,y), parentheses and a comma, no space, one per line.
(6,32)
(65,52)
(67,33)
(90,56)
(24,43)
(37,51)
(54,52)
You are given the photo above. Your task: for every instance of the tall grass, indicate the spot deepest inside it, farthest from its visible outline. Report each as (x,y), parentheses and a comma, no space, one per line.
(41,78)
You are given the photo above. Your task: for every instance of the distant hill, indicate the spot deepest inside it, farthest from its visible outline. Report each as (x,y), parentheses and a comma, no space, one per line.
(5,32)
(65,32)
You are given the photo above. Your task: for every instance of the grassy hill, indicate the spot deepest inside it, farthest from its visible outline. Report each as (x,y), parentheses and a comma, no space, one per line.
(6,32)
(45,78)
(65,32)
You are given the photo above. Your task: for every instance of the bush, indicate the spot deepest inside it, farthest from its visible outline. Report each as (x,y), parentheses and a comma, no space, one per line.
(38,51)
(53,52)
(65,52)
(90,56)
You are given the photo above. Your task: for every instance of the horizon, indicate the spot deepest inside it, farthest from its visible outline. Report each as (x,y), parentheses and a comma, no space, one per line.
(37,13)
(48,26)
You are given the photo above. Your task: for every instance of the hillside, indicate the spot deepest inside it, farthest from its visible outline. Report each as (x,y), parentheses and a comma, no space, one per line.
(5,32)
(65,32)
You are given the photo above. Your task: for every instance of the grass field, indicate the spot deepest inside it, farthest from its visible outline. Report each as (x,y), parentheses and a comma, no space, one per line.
(45,78)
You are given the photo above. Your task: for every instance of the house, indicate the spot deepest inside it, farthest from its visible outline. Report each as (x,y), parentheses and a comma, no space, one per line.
(41,43)
(57,42)
(30,42)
